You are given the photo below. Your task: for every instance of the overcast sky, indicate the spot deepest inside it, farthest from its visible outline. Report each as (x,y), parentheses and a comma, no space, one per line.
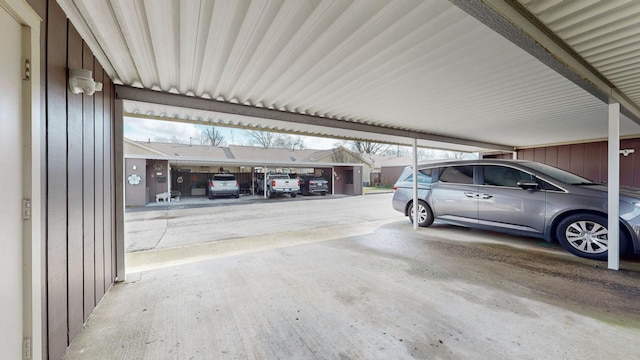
(164,131)
(140,129)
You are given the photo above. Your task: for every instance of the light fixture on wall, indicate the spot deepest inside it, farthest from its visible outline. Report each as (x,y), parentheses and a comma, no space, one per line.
(81,81)
(627,152)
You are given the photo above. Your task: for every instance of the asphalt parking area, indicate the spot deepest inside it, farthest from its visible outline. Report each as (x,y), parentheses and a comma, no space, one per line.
(365,287)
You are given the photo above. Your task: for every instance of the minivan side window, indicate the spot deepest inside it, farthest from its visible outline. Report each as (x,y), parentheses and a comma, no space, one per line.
(504,176)
(424,176)
(457,174)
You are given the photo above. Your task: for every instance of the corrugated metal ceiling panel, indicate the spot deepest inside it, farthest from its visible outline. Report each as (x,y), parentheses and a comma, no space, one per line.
(418,65)
(606,33)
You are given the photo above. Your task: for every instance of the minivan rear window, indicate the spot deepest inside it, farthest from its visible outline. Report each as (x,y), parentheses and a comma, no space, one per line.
(424,176)
(457,174)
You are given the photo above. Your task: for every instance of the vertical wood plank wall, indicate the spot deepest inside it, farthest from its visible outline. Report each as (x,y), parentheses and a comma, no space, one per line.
(588,159)
(78,235)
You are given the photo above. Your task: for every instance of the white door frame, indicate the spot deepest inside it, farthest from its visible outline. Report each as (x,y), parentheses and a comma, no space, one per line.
(33,256)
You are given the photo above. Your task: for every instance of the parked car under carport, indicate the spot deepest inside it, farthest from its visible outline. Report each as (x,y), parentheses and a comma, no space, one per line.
(523,198)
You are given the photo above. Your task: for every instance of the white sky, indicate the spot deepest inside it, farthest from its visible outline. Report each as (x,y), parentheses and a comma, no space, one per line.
(163,131)
(140,129)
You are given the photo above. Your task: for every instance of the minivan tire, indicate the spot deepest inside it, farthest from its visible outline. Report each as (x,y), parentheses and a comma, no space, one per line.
(579,235)
(425,215)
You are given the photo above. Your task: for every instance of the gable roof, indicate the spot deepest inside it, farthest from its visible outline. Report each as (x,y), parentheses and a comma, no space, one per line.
(234,154)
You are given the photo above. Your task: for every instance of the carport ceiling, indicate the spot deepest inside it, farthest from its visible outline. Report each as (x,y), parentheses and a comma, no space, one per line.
(466,75)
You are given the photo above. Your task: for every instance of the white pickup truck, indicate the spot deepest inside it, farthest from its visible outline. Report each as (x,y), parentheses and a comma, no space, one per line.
(278,184)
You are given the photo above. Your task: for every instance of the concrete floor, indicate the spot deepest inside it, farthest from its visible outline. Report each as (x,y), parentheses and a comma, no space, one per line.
(365,289)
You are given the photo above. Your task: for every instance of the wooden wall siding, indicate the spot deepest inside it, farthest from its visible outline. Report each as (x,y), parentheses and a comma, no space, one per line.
(57,284)
(98,132)
(589,160)
(390,174)
(75,202)
(88,192)
(78,183)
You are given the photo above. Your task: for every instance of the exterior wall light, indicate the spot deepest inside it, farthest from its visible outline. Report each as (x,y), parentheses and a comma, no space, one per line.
(81,81)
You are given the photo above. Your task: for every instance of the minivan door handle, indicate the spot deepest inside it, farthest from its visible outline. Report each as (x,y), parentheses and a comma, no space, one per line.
(471,194)
(486,196)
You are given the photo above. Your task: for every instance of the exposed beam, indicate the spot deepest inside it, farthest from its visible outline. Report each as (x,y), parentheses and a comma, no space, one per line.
(157,97)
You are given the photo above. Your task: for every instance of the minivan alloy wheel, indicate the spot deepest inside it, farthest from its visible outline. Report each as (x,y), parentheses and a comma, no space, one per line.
(425,215)
(586,235)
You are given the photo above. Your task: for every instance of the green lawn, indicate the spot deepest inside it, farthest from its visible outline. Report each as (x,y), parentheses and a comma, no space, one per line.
(377,189)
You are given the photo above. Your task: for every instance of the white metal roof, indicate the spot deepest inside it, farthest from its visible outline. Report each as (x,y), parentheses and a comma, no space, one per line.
(439,68)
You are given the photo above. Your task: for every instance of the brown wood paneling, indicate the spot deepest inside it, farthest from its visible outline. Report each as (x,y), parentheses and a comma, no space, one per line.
(74,190)
(99,191)
(564,157)
(56,78)
(629,165)
(526,154)
(88,193)
(626,165)
(69,178)
(604,161)
(577,159)
(551,156)
(539,154)
(635,144)
(592,161)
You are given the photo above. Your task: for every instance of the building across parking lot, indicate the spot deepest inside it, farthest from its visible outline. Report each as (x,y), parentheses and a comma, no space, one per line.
(153,168)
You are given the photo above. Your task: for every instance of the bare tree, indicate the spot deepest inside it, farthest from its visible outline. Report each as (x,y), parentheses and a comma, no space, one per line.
(430,154)
(265,139)
(291,142)
(365,147)
(397,150)
(173,140)
(268,140)
(210,136)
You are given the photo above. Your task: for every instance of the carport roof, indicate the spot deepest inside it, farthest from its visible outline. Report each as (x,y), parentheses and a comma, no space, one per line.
(464,75)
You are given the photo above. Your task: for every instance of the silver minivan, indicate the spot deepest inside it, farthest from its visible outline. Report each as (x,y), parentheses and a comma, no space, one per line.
(522,198)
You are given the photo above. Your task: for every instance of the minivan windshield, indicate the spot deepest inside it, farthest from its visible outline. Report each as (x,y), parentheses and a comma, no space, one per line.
(559,174)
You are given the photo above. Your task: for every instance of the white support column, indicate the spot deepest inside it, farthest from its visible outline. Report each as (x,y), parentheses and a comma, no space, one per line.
(415,184)
(264,181)
(614,186)
(333,180)
(514,155)
(118,142)
(169,179)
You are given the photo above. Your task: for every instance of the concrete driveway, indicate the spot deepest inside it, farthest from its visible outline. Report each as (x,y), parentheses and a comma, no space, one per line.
(359,284)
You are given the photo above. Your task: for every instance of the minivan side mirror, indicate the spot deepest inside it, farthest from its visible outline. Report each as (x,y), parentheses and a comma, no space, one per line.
(528,184)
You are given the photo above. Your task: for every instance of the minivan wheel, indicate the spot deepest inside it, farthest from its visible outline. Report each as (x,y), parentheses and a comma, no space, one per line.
(586,235)
(425,215)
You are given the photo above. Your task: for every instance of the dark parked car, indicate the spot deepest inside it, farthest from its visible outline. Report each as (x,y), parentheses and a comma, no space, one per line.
(224,185)
(311,184)
(520,197)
